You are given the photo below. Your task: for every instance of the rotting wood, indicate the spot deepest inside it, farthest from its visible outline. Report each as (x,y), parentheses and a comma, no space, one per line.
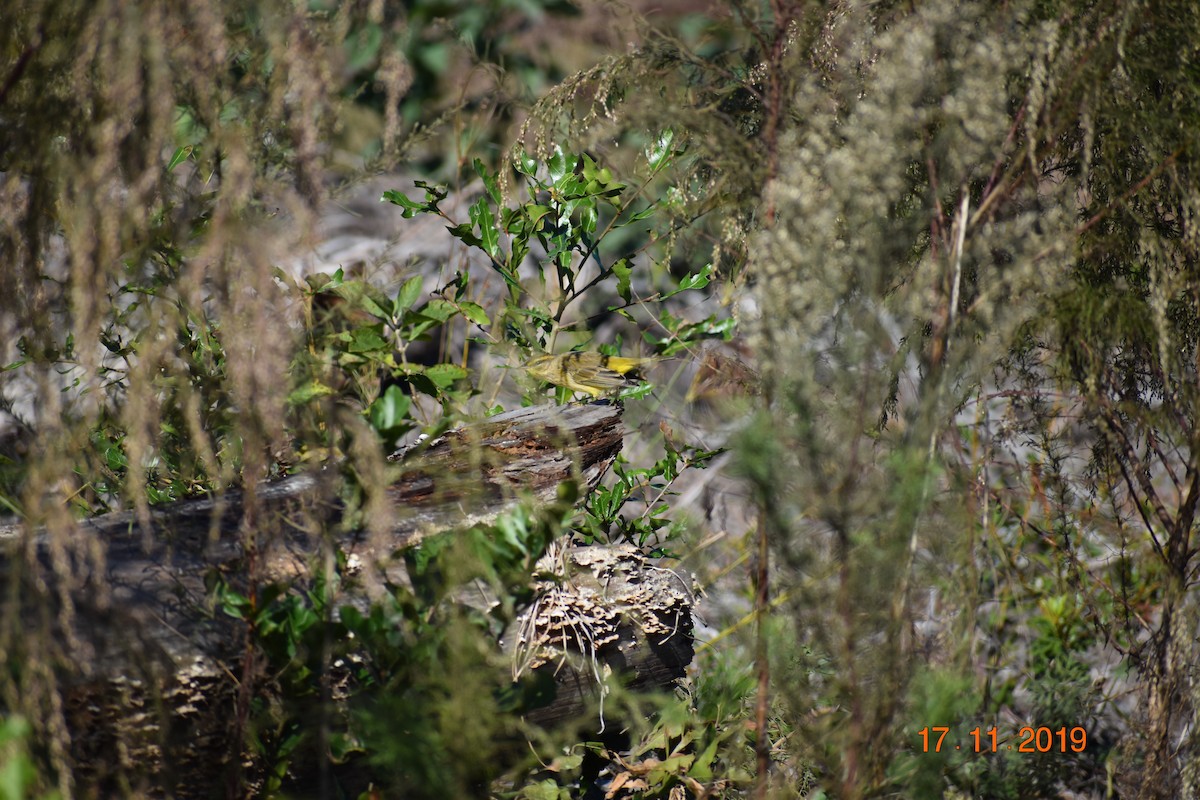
(602,610)
(142,632)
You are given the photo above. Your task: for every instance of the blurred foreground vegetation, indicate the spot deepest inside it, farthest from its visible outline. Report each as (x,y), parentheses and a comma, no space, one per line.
(944,254)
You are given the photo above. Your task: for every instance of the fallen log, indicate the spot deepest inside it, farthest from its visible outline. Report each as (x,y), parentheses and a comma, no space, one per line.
(151,667)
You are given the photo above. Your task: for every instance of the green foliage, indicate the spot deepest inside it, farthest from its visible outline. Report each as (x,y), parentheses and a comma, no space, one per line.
(602,509)
(18,774)
(571,206)
(428,704)
(971,255)
(939,221)
(694,745)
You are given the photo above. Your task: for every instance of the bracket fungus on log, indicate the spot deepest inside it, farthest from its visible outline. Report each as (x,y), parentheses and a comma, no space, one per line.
(147,668)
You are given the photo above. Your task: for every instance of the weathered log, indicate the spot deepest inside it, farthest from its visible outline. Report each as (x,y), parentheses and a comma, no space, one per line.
(130,603)
(604,610)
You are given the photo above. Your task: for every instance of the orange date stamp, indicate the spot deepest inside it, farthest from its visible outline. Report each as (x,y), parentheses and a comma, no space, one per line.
(1028,739)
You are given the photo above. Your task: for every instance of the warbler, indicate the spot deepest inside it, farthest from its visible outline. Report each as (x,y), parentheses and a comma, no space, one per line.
(594,373)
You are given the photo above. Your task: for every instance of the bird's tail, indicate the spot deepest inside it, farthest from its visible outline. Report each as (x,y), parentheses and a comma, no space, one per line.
(625,365)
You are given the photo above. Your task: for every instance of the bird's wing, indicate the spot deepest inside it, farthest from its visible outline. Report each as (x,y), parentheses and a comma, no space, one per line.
(600,377)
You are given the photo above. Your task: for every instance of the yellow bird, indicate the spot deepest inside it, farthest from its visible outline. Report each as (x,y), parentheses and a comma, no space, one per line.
(594,373)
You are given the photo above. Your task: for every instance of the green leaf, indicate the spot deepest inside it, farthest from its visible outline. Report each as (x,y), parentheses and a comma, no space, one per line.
(390,411)
(434,193)
(475,313)
(115,458)
(557,165)
(365,296)
(635,392)
(445,375)
(681,334)
(571,187)
(433,313)
(363,47)
(659,154)
(367,340)
(14,729)
(489,181)
(520,249)
(622,269)
(181,155)
(695,281)
(702,769)
(545,790)
(307,392)
(483,218)
(587,218)
(526,165)
(439,309)
(465,233)
(410,292)
(641,215)
(434,56)
(535,213)
(411,207)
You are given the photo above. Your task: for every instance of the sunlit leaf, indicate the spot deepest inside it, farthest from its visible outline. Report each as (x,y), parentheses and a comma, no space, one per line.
(390,410)
(475,313)
(659,154)
(483,219)
(557,165)
(410,292)
(181,155)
